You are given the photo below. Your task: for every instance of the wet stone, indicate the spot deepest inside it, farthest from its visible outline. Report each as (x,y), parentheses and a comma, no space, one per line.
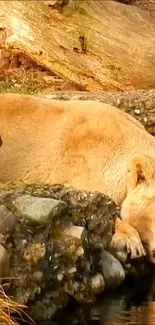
(112,270)
(55,254)
(72,270)
(3,261)
(38,209)
(76,232)
(79,251)
(38,275)
(97,283)
(7,220)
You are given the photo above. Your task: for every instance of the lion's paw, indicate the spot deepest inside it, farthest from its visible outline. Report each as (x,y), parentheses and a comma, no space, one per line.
(127,244)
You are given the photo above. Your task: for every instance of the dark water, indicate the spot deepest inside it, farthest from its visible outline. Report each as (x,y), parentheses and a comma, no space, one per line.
(132,304)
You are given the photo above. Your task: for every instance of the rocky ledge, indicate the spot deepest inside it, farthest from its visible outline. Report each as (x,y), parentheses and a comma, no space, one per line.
(54,245)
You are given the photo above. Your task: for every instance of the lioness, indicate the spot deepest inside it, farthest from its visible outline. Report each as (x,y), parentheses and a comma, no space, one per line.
(87,145)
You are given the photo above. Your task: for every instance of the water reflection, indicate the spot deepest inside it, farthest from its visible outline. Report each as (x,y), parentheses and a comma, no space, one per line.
(115,315)
(134,304)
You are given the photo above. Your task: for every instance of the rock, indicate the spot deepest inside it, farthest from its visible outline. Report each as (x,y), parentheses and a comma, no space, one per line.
(52,248)
(72,270)
(112,270)
(97,283)
(73,237)
(60,252)
(94,211)
(38,209)
(34,252)
(38,275)
(3,261)
(79,251)
(75,231)
(60,276)
(44,311)
(7,220)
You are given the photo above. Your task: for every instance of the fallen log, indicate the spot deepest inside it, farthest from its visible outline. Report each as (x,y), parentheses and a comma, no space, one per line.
(98,45)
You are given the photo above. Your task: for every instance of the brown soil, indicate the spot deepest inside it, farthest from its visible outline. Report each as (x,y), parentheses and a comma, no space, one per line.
(20,74)
(24,76)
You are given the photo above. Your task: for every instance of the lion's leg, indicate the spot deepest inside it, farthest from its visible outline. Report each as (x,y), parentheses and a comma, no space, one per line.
(126,241)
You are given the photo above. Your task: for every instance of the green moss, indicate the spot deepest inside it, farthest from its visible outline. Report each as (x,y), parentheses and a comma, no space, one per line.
(7,87)
(75,217)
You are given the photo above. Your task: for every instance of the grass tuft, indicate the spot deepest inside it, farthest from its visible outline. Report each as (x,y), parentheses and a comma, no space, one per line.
(11,312)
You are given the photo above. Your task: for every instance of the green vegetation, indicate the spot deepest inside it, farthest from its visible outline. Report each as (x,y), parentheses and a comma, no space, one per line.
(9,88)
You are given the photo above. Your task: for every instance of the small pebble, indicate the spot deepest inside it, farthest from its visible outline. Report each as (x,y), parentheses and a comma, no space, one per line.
(137,111)
(97,283)
(38,275)
(72,270)
(60,276)
(75,231)
(79,251)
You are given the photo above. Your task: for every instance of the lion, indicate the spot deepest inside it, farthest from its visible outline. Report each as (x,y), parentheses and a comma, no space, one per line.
(87,145)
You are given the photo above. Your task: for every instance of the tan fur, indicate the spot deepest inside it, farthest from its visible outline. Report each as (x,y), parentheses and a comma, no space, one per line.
(87,145)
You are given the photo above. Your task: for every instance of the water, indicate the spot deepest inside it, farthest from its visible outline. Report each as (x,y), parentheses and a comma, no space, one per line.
(132,304)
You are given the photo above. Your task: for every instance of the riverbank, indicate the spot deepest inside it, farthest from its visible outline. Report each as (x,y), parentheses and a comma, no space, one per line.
(54,247)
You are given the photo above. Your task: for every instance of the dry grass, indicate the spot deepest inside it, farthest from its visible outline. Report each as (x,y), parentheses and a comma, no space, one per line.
(11,312)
